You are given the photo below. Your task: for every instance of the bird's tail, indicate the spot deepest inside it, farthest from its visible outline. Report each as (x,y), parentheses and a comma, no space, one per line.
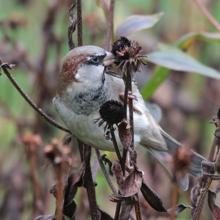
(196,159)
(195,168)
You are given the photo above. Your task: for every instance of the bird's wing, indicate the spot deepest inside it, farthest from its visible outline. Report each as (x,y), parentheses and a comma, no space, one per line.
(155,111)
(146,130)
(171,144)
(146,124)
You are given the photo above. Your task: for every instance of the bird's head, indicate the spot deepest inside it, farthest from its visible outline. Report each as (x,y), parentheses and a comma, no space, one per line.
(83,67)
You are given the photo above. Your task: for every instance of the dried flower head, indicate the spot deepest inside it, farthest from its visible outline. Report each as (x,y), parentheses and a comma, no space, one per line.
(183,158)
(32,142)
(121,47)
(57,153)
(112,112)
(127,53)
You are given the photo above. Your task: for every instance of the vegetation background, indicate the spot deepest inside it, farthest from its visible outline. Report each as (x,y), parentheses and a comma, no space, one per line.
(36,44)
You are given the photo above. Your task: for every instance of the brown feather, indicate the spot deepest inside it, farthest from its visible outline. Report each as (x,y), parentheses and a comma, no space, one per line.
(72,62)
(69,70)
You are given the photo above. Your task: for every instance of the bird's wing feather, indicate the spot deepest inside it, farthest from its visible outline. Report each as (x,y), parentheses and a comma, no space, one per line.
(196,160)
(144,124)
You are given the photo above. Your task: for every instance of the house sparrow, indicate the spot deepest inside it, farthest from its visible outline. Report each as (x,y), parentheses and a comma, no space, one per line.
(84,86)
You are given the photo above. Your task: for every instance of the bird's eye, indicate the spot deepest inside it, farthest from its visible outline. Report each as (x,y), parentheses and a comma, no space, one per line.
(94,60)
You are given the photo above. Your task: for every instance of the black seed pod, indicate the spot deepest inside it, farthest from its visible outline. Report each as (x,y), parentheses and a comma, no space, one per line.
(127,52)
(120,48)
(112,112)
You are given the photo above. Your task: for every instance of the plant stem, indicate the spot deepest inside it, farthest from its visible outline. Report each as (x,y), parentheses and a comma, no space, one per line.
(137,209)
(117,211)
(50,120)
(130,104)
(89,184)
(79,23)
(116,145)
(110,26)
(206,181)
(105,172)
(72,24)
(208,15)
(174,200)
(59,191)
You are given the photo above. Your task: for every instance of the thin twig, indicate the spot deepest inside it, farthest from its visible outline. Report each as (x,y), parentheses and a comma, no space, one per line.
(124,154)
(79,23)
(174,200)
(72,24)
(59,155)
(59,191)
(207,180)
(88,182)
(208,15)
(50,120)
(105,172)
(126,207)
(117,211)
(49,39)
(115,145)
(137,208)
(32,142)
(130,103)
(109,26)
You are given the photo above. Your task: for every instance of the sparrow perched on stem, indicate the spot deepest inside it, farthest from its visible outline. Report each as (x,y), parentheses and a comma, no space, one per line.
(84,86)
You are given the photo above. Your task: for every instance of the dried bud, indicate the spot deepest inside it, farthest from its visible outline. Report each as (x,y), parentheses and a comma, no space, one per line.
(49,152)
(32,142)
(57,153)
(120,48)
(32,139)
(183,158)
(112,112)
(127,52)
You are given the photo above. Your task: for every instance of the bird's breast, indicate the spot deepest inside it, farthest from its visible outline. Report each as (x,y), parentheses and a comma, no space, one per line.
(89,101)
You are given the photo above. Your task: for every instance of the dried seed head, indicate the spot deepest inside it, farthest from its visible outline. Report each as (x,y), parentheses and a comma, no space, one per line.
(32,139)
(112,112)
(57,153)
(182,159)
(127,52)
(120,48)
(32,142)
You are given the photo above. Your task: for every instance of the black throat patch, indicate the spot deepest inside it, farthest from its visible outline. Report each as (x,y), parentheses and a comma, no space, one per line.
(90,101)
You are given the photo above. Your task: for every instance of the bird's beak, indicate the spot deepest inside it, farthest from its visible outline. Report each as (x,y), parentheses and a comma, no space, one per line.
(109,59)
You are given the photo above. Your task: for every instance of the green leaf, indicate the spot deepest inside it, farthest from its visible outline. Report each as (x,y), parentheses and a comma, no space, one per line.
(158,77)
(175,59)
(186,40)
(136,23)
